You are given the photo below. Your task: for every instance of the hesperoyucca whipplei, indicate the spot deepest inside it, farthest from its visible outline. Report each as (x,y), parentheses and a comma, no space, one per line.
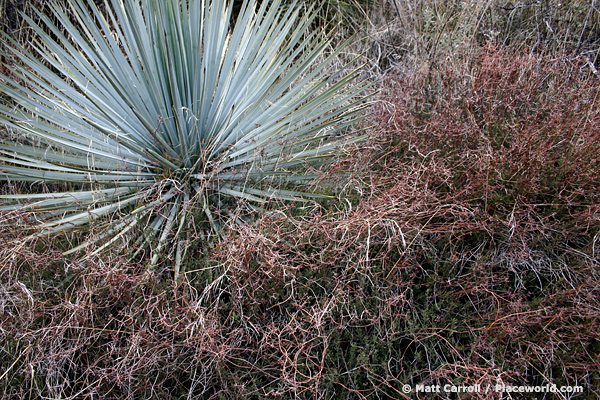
(153,109)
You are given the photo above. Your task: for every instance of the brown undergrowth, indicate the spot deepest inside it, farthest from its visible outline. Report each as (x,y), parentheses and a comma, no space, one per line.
(464,250)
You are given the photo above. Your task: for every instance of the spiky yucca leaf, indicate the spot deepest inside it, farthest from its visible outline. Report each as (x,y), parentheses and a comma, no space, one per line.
(153,108)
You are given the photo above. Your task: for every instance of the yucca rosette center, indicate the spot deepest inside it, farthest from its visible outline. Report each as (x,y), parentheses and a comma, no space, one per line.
(150,109)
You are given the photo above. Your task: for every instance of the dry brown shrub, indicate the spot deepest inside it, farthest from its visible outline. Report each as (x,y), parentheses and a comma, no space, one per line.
(508,146)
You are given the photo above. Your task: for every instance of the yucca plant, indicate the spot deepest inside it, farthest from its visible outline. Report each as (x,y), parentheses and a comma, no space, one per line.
(149,112)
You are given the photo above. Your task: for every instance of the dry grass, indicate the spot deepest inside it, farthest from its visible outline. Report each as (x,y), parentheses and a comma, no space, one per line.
(463,249)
